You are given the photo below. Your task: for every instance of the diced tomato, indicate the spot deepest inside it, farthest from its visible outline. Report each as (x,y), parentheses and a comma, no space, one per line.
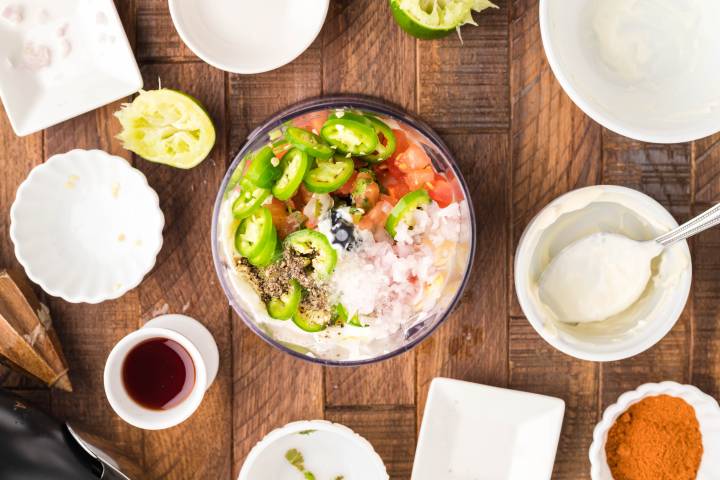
(391,166)
(302,197)
(441,191)
(312,121)
(368,197)
(420,178)
(401,142)
(347,188)
(394,185)
(387,198)
(376,217)
(279,213)
(414,158)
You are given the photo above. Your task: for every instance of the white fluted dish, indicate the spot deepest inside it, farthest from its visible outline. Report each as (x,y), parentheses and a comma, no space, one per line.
(86,226)
(706,410)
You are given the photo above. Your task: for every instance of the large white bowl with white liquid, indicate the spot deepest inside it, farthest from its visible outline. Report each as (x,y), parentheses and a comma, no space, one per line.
(646,69)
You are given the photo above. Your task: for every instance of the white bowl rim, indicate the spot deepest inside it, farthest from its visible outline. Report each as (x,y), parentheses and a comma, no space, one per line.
(567,349)
(208,58)
(60,292)
(596,114)
(624,401)
(302,425)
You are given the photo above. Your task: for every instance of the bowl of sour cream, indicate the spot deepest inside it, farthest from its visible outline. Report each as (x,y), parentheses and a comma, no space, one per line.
(591,280)
(647,69)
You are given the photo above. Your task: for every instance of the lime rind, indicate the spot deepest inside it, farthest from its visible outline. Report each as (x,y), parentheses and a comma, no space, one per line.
(166,126)
(430,19)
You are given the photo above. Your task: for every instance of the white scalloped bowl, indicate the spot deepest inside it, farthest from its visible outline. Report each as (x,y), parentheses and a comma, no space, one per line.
(86,226)
(706,410)
(329,450)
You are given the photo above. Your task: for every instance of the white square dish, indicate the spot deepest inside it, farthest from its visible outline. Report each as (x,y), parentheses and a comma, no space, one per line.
(62,58)
(476,432)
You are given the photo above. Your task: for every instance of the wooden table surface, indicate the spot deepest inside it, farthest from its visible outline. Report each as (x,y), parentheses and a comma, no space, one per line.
(520,142)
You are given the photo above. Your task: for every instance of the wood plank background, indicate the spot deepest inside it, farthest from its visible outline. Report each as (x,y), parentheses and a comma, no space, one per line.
(520,142)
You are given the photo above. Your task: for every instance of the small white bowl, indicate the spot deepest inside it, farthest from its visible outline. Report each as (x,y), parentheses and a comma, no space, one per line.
(471,431)
(706,410)
(577,214)
(62,58)
(329,450)
(248,36)
(137,415)
(673,97)
(86,226)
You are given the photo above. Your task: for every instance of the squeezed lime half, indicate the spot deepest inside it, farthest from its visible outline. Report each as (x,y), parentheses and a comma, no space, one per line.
(429,19)
(168,127)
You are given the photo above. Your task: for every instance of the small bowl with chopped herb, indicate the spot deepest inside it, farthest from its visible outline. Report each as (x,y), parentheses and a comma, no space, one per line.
(343,232)
(313,450)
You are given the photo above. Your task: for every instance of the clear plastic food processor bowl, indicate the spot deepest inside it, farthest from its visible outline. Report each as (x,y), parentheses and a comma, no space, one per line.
(443,162)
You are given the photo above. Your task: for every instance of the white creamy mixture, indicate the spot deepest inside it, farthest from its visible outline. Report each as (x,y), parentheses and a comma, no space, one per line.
(372,280)
(651,40)
(644,66)
(597,277)
(581,253)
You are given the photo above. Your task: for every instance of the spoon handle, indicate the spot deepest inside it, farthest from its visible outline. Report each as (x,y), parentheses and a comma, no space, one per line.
(702,222)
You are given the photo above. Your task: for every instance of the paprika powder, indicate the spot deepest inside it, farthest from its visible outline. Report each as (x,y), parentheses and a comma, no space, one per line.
(657,438)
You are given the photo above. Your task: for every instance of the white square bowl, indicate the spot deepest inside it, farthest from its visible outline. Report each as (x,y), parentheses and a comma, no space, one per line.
(476,432)
(62,58)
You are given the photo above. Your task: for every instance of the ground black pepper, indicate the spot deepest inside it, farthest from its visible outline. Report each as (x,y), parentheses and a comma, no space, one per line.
(272,281)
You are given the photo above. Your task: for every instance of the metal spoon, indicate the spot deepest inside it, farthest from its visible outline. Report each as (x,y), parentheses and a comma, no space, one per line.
(702,222)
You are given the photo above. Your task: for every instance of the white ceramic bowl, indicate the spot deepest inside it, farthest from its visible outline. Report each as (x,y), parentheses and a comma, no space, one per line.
(329,450)
(132,412)
(569,219)
(647,81)
(86,226)
(706,410)
(248,36)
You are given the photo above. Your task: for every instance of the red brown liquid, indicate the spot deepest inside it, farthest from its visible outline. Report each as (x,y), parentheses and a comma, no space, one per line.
(158,373)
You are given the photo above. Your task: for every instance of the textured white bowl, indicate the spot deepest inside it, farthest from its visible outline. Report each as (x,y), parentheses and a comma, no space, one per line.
(86,226)
(706,410)
(325,446)
(248,37)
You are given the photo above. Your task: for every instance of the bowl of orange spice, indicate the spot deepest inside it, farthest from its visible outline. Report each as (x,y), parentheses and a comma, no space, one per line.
(660,431)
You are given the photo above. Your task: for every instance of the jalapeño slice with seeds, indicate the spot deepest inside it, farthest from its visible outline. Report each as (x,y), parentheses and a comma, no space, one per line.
(308,142)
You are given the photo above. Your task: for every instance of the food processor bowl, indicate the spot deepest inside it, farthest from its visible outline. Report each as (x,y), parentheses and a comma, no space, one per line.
(443,163)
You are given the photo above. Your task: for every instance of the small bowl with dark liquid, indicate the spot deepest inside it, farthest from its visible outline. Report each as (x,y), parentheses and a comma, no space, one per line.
(155,378)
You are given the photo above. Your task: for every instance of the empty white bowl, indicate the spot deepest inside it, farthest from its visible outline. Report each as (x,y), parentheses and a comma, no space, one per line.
(477,432)
(646,69)
(86,226)
(707,412)
(329,450)
(248,36)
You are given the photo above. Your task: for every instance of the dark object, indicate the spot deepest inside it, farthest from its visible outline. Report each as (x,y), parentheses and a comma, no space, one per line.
(342,230)
(158,373)
(35,446)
